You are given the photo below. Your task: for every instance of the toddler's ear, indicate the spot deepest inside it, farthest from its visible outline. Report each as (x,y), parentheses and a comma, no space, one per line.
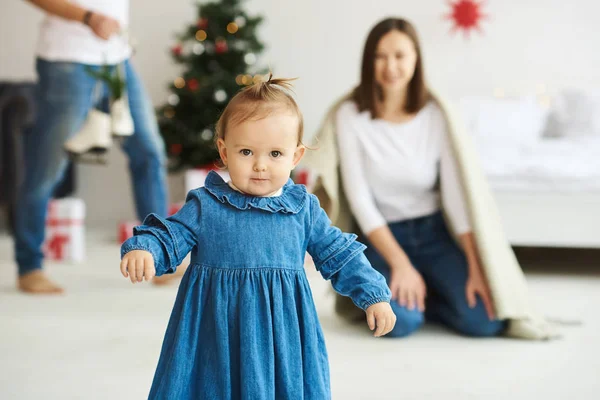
(298,154)
(222,150)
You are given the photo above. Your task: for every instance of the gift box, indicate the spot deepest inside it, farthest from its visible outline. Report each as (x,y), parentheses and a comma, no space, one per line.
(65,230)
(125,228)
(173,208)
(194,178)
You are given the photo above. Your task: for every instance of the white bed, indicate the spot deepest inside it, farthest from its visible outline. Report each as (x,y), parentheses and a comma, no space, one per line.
(547,188)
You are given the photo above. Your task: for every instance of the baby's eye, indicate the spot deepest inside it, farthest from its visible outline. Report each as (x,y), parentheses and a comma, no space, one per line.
(245,152)
(275,154)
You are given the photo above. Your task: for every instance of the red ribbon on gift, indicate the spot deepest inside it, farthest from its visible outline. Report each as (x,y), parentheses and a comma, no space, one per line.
(53,221)
(56,245)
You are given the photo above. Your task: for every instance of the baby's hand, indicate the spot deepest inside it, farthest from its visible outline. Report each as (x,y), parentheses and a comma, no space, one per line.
(380,315)
(139,264)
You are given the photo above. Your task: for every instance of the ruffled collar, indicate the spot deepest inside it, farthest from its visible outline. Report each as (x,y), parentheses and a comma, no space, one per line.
(291,200)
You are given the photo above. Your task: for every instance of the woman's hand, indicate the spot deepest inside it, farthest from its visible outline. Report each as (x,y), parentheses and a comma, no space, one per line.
(408,287)
(476,285)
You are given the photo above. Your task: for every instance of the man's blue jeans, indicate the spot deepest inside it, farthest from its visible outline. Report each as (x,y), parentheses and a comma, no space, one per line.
(65,94)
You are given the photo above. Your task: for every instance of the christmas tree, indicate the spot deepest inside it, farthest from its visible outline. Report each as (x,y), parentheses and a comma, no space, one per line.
(219,53)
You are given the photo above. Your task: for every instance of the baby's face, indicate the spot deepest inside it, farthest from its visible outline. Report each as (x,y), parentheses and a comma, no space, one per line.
(260,155)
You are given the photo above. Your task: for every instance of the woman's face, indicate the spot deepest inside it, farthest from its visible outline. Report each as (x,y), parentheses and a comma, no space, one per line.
(395,60)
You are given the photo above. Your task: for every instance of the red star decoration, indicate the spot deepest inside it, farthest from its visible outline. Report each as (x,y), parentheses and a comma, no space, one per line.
(466,15)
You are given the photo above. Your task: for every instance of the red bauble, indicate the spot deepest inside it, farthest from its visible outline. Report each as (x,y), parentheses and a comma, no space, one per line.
(175,148)
(466,15)
(177,50)
(202,23)
(221,47)
(193,84)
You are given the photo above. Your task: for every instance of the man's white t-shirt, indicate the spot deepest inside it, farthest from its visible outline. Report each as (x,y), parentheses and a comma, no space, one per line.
(72,41)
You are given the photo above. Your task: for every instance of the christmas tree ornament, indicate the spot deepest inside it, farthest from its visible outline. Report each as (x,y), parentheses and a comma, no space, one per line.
(246,79)
(198,49)
(175,148)
(202,23)
(173,99)
(221,46)
(169,112)
(250,59)
(177,50)
(240,21)
(232,27)
(206,135)
(201,35)
(209,47)
(220,95)
(240,45)
(179,83)
(193,84)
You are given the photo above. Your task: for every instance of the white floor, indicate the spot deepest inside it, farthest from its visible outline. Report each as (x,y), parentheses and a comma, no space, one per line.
(101,340)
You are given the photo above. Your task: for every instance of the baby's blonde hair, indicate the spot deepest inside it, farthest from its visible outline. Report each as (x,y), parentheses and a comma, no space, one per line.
(258,101)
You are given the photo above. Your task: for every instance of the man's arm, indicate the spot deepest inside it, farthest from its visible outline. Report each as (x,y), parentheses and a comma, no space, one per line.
(61,8)
(102,26)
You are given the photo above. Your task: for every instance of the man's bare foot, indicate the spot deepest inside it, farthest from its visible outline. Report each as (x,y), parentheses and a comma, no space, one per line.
(36,282)
(168,278)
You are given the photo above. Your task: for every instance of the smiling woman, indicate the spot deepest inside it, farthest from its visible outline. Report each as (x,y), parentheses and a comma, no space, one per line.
(397,167)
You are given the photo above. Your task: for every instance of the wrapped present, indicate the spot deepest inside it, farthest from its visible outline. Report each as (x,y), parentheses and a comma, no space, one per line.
(301,176)
(173,208)
(194,178)
(65,230)
(125,230)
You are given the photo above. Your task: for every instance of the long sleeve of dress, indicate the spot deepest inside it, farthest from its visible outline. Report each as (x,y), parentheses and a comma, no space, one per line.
(168,239)
(340,259)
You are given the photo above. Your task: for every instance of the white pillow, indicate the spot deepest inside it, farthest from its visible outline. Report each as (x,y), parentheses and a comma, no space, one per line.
(574,113)
(510,121)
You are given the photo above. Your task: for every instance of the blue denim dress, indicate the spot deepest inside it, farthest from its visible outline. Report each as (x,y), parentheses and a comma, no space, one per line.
(244,324)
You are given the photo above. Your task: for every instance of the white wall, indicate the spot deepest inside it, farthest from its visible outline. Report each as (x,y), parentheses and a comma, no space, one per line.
(524,44)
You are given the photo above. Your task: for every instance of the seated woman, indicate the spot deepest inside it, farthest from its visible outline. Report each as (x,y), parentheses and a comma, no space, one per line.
(395,149)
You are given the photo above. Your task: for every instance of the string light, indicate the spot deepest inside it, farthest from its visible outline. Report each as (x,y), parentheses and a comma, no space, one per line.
(173,100)
(201,35)
(220,95)
(240,21)
(250,58)
(169,112)
(206,135)
(179,83)
(239,79)
(198,49)
(232,27)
